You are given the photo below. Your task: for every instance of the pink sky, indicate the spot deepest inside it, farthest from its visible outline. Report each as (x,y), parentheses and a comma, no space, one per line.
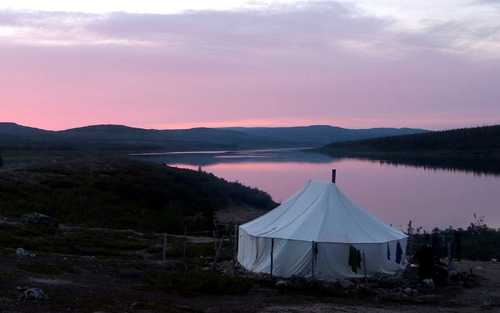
(358,64)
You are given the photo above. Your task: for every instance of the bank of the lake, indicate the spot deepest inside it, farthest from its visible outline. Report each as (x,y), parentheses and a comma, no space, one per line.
(471,144)
(430,196)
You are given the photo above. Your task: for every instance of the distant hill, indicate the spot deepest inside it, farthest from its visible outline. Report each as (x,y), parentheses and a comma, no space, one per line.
(16,137)
(317,135)
(467,142)
(118,137)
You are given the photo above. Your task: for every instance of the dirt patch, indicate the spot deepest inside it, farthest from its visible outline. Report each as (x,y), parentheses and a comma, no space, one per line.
(86,283)
(111,286)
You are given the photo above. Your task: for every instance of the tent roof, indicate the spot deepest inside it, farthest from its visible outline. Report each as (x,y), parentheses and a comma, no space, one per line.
(321,212)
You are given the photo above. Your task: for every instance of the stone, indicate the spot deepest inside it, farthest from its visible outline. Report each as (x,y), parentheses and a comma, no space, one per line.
(429,283)
(34,294)
(346,284)
(22,251)
(281,284)
(39,218)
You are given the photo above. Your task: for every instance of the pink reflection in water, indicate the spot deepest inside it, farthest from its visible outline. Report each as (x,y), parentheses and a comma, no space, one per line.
(394,194)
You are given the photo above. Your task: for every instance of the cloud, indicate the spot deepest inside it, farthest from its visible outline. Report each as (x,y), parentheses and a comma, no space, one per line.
(312,61)
(311,27)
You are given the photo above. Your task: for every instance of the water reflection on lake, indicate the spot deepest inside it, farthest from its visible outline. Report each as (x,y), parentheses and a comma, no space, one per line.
(394,194)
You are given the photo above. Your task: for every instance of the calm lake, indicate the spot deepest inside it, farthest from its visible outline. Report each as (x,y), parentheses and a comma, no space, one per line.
(394,194)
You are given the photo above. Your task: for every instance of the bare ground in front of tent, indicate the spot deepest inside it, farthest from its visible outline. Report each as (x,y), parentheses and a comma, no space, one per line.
(99,272)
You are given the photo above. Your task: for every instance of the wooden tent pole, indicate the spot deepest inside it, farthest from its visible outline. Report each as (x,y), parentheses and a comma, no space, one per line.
(272,257)
(313,260)
(364,269)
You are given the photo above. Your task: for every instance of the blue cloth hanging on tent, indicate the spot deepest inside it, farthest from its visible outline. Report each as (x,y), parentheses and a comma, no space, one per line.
(388,252)
(399,253)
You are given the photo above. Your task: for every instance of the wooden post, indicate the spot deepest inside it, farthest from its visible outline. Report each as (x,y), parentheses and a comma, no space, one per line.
(236,240)
(409,251)
(216,229)
(235,248)
(272,257)
(184,252)
(215,240)
(364,269)
(217,253)
(233,260)
(164,247)
(450,256)
(334,174)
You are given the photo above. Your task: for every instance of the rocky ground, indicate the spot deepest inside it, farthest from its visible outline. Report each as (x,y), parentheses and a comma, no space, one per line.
(81,282)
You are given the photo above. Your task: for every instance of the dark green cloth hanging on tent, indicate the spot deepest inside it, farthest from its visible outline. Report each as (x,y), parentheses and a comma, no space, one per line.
(354,259)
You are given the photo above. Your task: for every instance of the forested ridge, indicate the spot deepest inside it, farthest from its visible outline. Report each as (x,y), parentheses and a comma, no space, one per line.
(467,142)
(123,194)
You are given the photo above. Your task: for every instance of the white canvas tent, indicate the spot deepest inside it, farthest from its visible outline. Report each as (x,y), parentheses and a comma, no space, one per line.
(320,233)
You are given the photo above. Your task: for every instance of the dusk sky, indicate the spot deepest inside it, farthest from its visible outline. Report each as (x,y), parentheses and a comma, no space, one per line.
(183,64)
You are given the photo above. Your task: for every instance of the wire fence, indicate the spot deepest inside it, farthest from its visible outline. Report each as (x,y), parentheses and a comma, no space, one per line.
(198,248)
(207,248)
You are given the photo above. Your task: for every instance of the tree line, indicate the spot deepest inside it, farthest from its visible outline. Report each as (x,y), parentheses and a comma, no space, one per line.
(473,142)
